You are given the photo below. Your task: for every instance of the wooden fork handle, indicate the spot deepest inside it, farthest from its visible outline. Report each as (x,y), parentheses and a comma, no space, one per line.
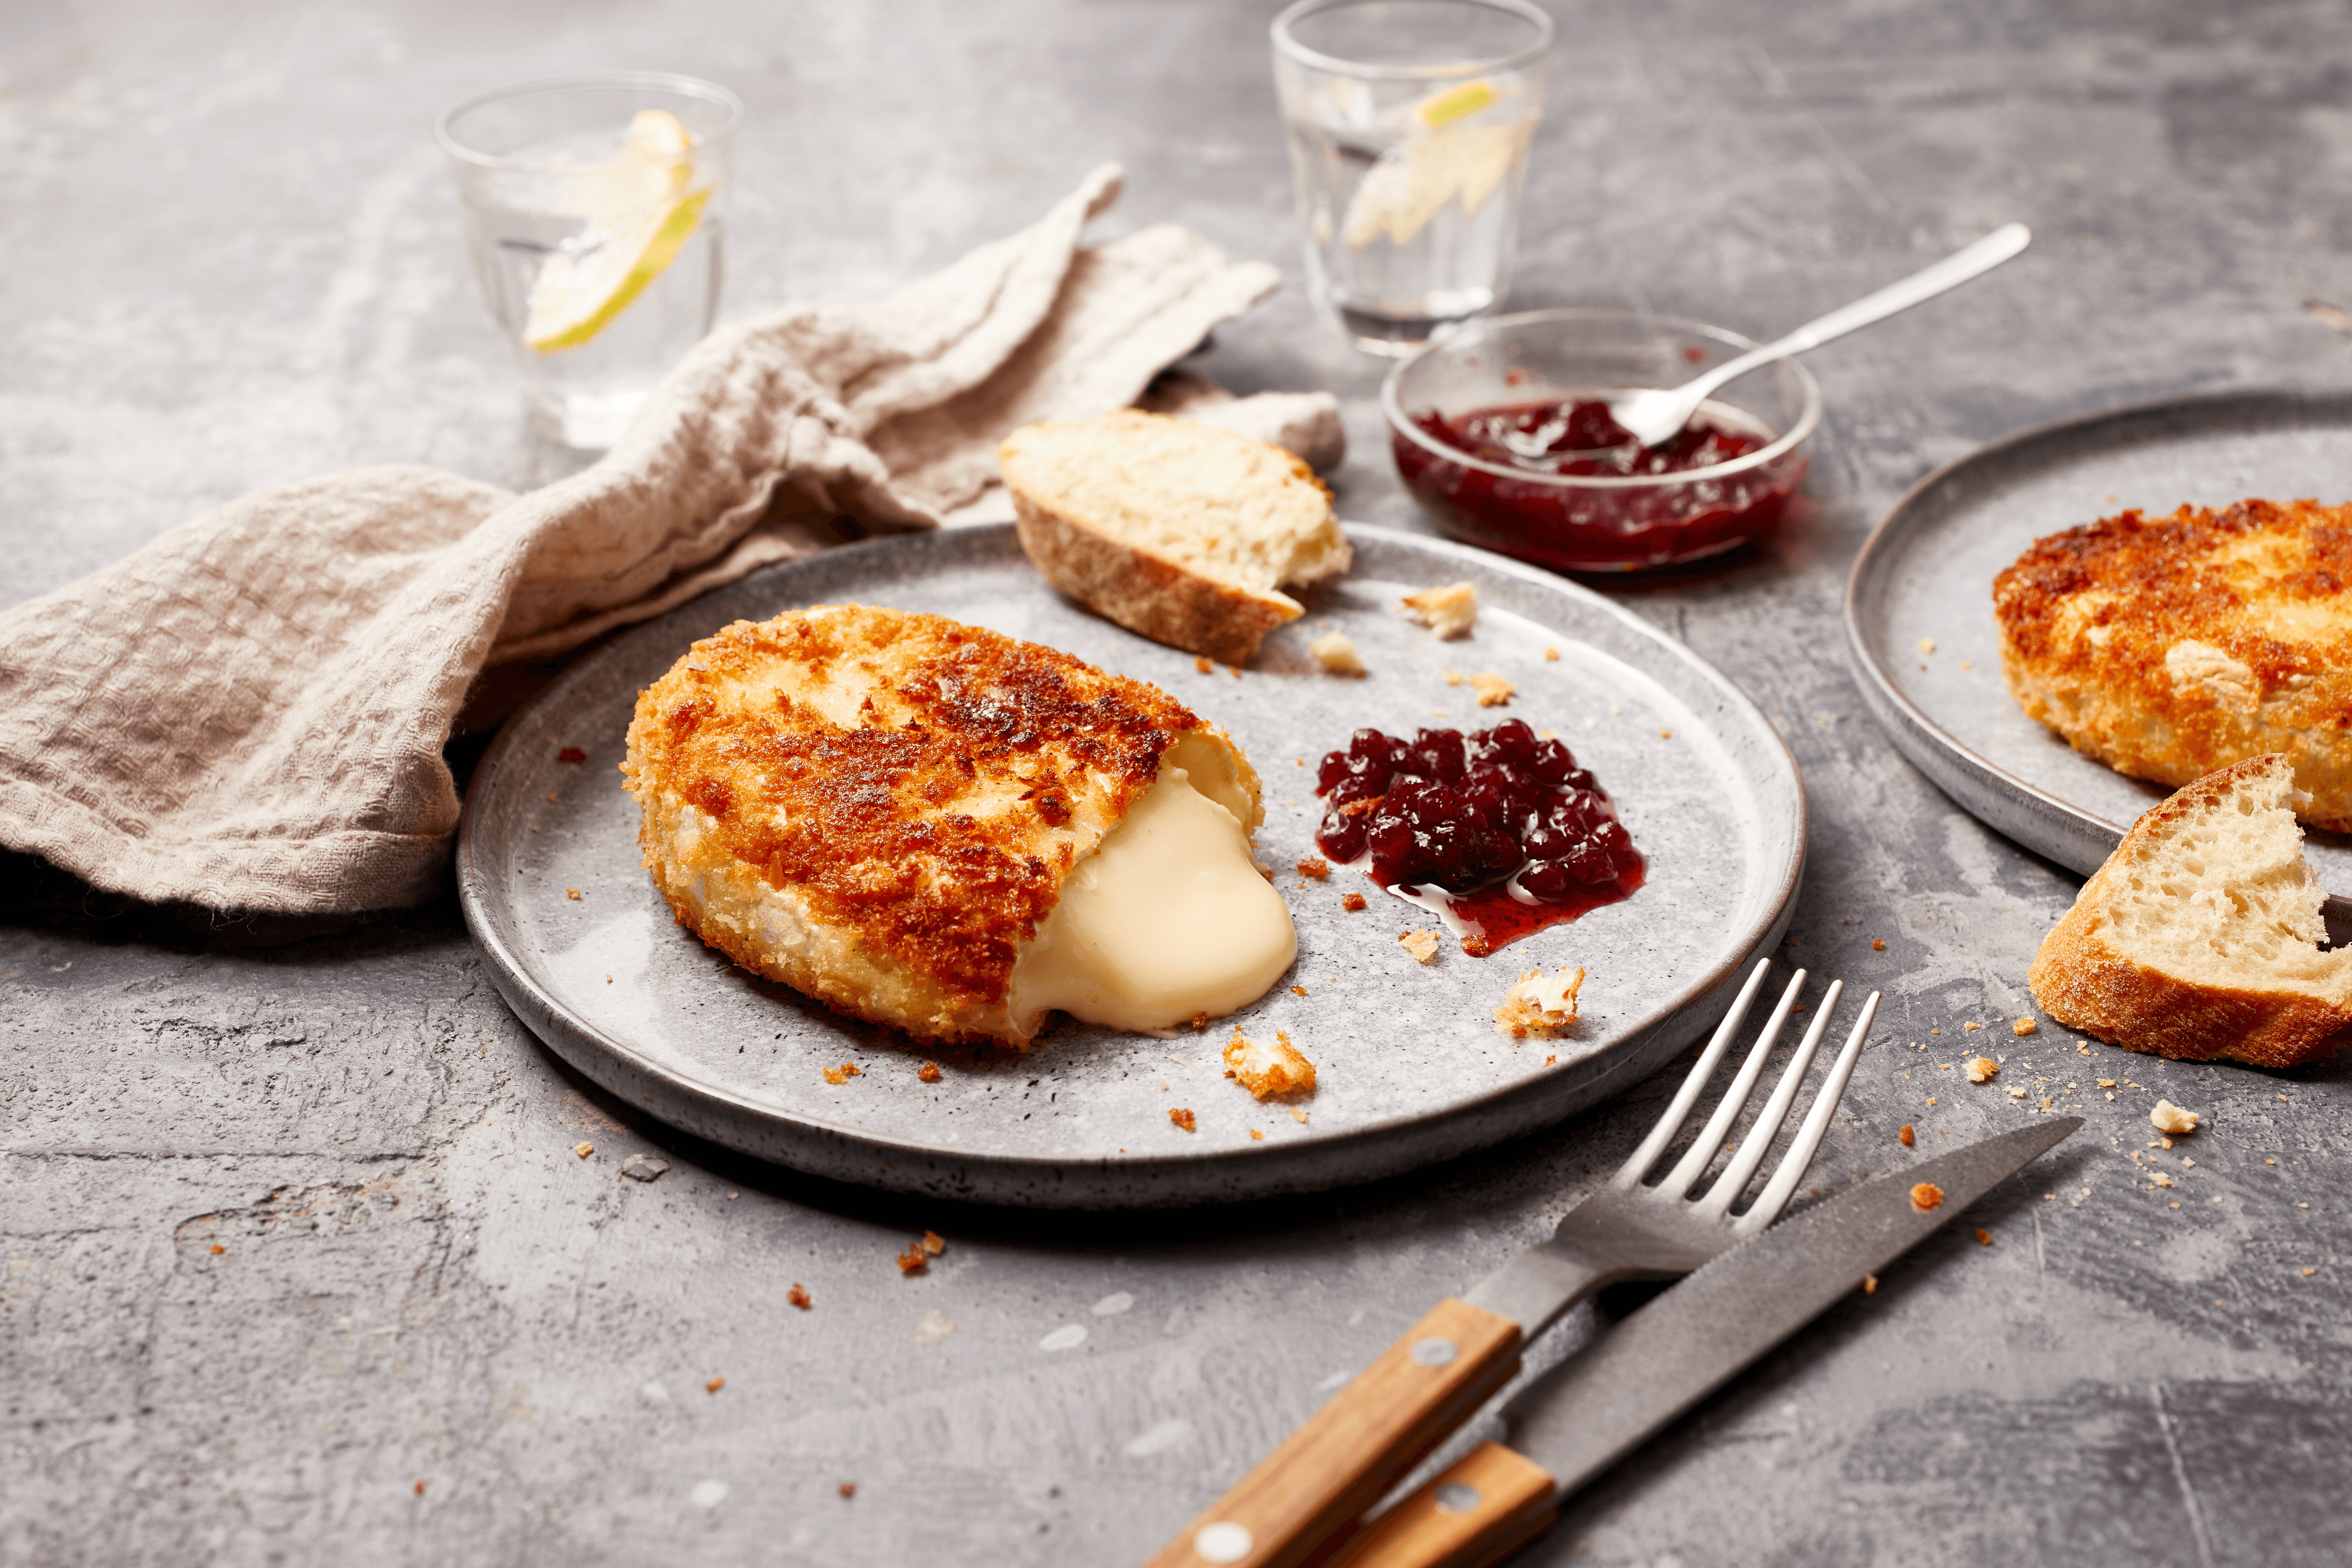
(1476,1513)
(1310,1492)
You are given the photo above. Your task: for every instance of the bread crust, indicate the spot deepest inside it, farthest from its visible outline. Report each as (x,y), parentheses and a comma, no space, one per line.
(1148,595)
(2085,981)
(878,808)
(2171,646)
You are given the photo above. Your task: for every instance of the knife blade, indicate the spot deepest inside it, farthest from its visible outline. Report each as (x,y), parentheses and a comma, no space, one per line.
(1584,1414)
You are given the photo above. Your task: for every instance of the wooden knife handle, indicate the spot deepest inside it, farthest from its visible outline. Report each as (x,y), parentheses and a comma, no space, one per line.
(1328,1475)
(1476,1513)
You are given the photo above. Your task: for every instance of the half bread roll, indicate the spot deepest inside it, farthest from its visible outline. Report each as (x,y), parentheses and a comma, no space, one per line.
(1177,530)
(2199,938)
(941,828)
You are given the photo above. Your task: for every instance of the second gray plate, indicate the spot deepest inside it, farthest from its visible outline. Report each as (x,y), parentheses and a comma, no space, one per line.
(1410,1069)
(1918,605)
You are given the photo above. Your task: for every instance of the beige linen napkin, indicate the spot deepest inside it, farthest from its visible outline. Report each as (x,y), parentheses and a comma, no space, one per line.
(250,712)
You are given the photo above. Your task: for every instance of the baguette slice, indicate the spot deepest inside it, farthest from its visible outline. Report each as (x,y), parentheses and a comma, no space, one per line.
(2199,938)
(1177,530)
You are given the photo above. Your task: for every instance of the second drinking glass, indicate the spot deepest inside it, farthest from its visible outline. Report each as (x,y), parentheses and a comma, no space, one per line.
(1408,124)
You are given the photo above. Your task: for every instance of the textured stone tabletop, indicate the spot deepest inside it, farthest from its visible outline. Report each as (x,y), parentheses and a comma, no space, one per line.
(300,1264)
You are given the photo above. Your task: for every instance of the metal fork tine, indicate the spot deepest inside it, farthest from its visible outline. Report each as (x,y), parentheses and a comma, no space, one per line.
(1631,1171)
(1767,1125)
(1685,1174)
(1783,1185)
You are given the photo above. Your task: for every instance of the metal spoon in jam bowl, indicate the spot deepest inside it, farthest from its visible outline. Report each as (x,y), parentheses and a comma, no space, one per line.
(1651,416)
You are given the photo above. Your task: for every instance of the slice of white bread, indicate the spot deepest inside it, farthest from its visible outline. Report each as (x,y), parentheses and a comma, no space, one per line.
(2199,938)
(1175,530)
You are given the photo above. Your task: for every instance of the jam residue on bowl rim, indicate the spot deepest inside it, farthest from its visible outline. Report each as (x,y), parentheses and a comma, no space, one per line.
(1498,834)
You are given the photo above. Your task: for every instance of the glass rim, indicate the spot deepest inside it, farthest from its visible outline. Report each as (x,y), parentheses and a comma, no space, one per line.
(1809,416)
(1287,43)
(665,81)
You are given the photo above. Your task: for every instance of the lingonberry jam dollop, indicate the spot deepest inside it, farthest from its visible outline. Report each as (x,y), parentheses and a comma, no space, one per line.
(1608,527)
(1499,831)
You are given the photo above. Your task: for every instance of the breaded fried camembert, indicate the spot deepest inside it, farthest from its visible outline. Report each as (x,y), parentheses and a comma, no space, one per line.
(2171,646)
(935,826)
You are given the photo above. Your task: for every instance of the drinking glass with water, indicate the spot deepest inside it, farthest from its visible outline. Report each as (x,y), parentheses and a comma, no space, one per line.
(595,214)
(1408,124)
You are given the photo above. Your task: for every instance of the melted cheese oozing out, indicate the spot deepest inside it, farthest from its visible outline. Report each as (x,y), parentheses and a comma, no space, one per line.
(1168,919)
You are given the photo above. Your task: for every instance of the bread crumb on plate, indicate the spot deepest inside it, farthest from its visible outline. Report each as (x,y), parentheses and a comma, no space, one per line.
(2169,1118)
(1267,1070)
(1422,945)
(1450,611)
(1493,689)
(1335,652)
(1539,1003)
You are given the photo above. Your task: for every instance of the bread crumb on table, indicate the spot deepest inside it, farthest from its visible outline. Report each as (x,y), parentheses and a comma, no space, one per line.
(1972,1026)
(714,1385)
(1202,664)
(848,1488)
(1870,1284)
(1877,946)
(1984,1237)
(913,1259)
(2024,1027)
(1268,1070)
(1927,644)
(1493,689)
(1450,611)
(929,1072)
(798,1296)
(584,1149)
(1926,1196)
(842,1073)
(1335,652)
(1315,866)
(1422,945)
(1299,991)
(1257,1136)
(1351,901)
(1981,1069)
(1905,1133)
(2169,1118)
(571,893)
(1552,655)
(1183,1119)
(1298,1116)
(1539,1003)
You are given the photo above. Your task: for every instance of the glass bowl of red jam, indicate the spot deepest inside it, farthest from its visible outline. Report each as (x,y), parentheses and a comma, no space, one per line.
(1502,430)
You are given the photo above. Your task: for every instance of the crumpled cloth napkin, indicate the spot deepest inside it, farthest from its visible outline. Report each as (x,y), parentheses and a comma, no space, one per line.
(250,712)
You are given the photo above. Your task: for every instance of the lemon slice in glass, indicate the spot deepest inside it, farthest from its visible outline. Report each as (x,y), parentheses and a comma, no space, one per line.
(1452,150)
(650,216)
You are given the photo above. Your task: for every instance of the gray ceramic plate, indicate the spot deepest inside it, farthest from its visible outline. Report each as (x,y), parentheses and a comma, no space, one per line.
(1410,1068)
(1927,572)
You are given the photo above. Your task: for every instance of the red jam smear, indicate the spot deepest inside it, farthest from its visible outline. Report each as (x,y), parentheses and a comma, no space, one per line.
(1500,830)
(1593,529)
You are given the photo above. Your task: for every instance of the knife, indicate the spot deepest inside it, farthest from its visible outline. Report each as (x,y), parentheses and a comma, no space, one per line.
(1581,1417)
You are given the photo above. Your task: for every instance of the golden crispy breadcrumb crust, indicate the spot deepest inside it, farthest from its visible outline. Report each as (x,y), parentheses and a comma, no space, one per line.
(2168,647)
(921,784)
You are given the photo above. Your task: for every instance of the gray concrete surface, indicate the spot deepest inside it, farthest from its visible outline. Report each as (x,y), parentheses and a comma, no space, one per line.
(300,1265)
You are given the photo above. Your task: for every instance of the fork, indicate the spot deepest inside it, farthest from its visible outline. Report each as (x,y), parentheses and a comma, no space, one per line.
(1312,1491)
